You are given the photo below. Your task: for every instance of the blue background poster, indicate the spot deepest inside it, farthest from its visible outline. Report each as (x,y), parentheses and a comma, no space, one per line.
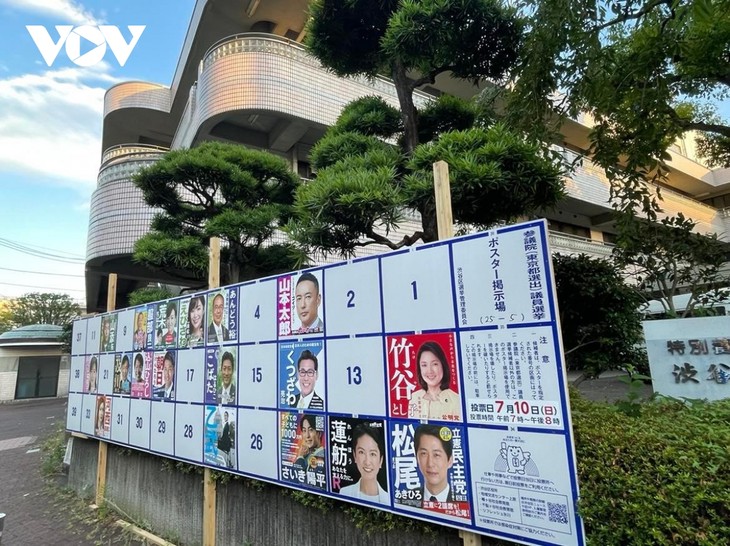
(290,381)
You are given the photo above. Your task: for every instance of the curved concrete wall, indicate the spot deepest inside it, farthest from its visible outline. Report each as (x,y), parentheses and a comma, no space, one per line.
(118,215)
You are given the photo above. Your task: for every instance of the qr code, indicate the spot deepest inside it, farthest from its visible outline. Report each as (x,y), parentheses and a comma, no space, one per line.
(557,512)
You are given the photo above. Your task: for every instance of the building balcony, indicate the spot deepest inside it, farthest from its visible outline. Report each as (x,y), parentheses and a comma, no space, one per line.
(266,91)
(561,243)
(118,215)
(588,191)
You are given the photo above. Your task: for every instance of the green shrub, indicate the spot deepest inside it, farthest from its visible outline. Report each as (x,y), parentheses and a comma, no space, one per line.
(599,316)
(659,478)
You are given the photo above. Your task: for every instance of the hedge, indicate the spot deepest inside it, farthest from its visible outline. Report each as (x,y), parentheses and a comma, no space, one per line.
(659,477)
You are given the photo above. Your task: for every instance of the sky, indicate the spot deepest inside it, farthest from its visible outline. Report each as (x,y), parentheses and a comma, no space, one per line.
(50,129)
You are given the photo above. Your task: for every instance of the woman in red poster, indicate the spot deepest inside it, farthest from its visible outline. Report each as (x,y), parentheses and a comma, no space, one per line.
(171,323)
(435,400)
(100,409)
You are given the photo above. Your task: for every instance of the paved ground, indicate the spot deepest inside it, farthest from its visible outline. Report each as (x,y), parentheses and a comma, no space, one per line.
(36,515)
(607,388)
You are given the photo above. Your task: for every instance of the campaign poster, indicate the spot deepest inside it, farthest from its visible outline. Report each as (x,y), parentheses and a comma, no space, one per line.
(163,374)
(91,374)
(139,338)
(108,337)
(220,375)
(220,436)
(299,304)
(302,447)
(102,416)
(192,322)
(141,376)
(222,316)
(212,355)
(151,329)
(123,373)
(302,375)
(166,325)
(357,459)
(428,469)
(423,377)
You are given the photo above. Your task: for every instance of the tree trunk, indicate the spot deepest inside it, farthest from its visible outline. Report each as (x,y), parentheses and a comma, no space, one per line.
(407,109)
(429,223)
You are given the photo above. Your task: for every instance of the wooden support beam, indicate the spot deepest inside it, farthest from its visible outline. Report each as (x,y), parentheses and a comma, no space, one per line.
(442,189)
(111,293)
(445,220)
(101,472)
(209,484)
(214,263)
(209,493)
(470,539)
(111,302)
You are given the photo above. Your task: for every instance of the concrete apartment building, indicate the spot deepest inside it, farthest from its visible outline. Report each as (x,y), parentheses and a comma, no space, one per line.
(243,76)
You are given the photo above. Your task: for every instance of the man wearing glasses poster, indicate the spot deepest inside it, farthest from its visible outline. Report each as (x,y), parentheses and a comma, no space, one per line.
(299,367)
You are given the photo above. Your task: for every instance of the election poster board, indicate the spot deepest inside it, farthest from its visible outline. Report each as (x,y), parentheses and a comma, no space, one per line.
(690,357)
(428,382)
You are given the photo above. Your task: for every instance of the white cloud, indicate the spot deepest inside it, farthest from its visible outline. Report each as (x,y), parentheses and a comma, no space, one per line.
(50,125)
(65,11)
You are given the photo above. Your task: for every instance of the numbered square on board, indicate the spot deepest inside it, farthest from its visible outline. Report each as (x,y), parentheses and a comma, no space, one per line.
(93,333)
(139,423)
(76,380)
(162,427)
(106,373)
(189,431)
(353,298)
(125,330)
(78,339)
(120,420)
(355,376)
(257,379)
(258,312)
(73,412)
(88,412)
(190,375)
(257,443)
(417,292)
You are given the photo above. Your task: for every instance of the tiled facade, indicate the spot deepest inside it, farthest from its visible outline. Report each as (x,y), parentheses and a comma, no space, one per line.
(118,215)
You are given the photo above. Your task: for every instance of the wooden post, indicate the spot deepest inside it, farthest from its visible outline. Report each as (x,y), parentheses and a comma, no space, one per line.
(442,188)
(470,539)
(445,221)
(111,302)
(209,492)
(214,263)
(209,485)
(111,293)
